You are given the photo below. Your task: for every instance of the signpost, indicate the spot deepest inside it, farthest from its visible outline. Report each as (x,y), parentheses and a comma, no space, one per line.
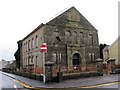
(43,49)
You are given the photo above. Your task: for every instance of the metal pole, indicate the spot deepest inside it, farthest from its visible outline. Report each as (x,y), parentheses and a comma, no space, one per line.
(59,55)
(44,67)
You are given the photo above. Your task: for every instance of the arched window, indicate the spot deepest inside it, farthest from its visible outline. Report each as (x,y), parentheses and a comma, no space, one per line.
(36,41)
(68,36)
(29,45)
(26,46)
(81,38)
(75,37)
(32,43)
(54,57)
(76,59)
(90,39)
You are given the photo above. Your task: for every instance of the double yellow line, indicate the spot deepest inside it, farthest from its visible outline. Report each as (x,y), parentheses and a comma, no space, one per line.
(100,85)
(91,86)
(23,84)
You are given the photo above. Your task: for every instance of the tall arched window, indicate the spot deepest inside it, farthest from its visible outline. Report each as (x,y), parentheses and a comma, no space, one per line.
(90,39)
(32,43)
(68,36)
(75,37)
(36,41)
(26,46)
(29,45)
(32,59)
(81,38)
(54,57)
(76,59)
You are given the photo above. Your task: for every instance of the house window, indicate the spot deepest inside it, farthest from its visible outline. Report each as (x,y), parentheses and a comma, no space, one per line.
(29,60)
(36,64)
(60,57)
(90,39)
(32,43)
(26,46)
(29,45)
(92,56)
(36,41)
(32,59)
(75,37)
(68,36)
(24,62)
(81,38)
(54,57)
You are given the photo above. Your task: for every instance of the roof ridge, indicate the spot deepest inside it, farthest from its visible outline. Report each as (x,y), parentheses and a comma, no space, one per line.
(59,13)
(114,41)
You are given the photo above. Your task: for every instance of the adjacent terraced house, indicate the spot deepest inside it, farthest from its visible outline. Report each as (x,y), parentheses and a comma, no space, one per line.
(72,44)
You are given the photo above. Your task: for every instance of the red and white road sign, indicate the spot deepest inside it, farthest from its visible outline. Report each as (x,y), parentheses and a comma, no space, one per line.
(43,47)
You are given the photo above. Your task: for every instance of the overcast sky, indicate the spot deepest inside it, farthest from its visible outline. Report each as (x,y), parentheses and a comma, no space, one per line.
(19,17)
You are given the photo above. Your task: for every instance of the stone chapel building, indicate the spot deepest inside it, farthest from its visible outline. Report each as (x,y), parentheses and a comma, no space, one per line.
(71,41)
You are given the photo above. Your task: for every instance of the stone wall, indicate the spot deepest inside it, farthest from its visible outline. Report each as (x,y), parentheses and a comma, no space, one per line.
(77,36)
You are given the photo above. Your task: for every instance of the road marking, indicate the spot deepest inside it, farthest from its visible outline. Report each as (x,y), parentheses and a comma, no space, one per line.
(100,85)
(23,84)
(15,86)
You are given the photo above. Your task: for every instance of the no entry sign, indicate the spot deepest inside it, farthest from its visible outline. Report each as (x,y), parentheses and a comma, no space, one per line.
(43,47)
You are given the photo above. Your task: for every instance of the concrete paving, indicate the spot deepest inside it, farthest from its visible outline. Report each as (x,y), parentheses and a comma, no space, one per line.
(68,83)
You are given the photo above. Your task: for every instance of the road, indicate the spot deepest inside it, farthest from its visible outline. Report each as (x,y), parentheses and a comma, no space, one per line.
(106,81)
(8,83)
(104,85)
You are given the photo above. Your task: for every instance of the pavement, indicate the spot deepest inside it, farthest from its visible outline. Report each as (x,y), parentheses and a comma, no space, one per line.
(73,83)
